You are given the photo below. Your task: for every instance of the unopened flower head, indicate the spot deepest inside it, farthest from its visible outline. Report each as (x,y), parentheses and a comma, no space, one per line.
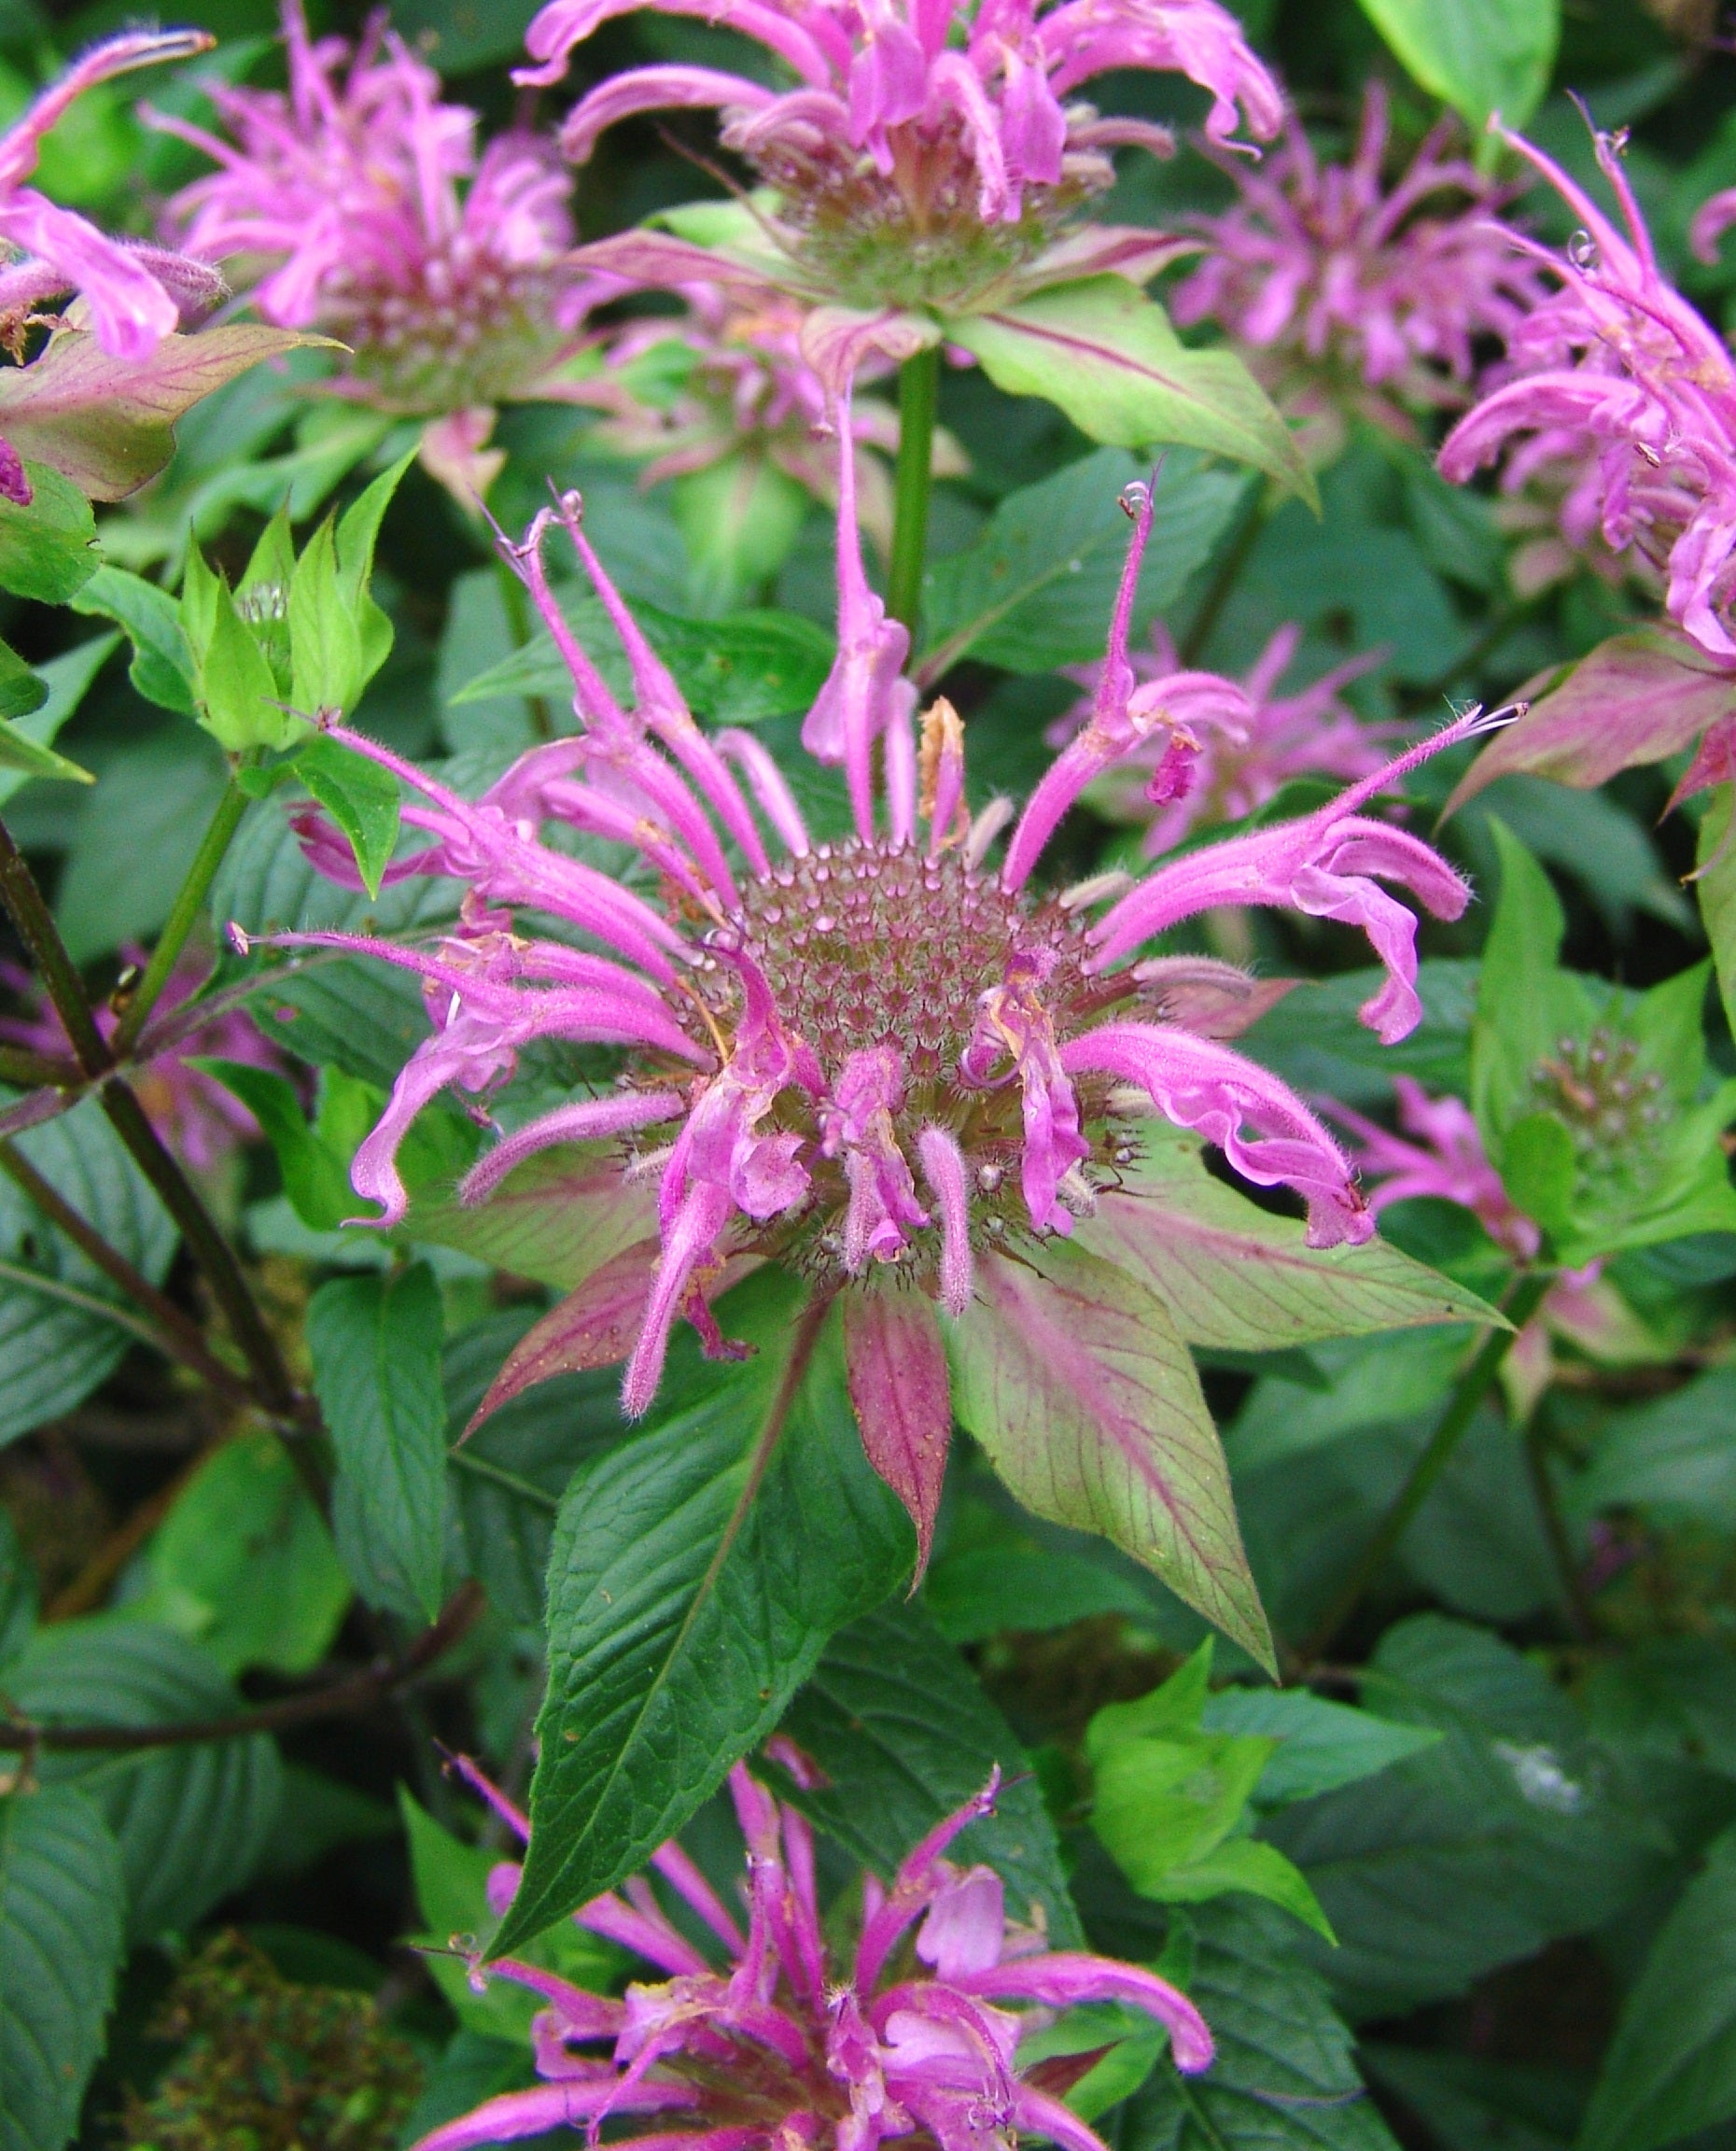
(928,148)
(357,203)
(199,1120)
(883,1050)
(1218,750)
(1358,295)
(1616,378)
(768,2039)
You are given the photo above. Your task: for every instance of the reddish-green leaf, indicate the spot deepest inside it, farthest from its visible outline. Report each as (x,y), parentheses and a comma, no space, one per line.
(1071,1375)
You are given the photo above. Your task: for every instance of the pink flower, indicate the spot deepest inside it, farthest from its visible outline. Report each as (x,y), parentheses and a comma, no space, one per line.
(199,1120)
(878,1051)
(761,2041)
(364,207)
(914,122)
(134,294)
(1221,749)
(1615,375)
(1440,1154)
(1359,293)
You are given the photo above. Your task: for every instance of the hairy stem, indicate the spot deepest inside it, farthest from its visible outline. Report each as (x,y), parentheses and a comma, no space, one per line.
(219,834)
(919,402)
(1468,1393)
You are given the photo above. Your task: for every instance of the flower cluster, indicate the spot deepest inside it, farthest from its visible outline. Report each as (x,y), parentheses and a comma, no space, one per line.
(1617,377)
(1219,749)
(786,2049)
(134,295)
(199,1120)
(361,205)
(881,1051)
(925,145)
(1358,294)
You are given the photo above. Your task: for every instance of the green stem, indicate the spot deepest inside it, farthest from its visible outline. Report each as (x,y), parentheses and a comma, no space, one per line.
(1468,1393)
(463,1459)
(1243,537)
(182,918)
(1583,1621)
(178,1335)
(213,1253)
(271,1387)
(918,402)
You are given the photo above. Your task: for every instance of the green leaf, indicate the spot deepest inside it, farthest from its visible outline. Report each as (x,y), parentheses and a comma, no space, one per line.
(375,1344)
(559,1217)
(451,1895)
(1072,1377)
(1321,1746)
(1671,2069)
(740,517)
(1484,57)
(361,798)
(740,670)
(237,690)
(1674,1459)
(314,1177)
(108,423)
(1524,1001)
(1107,355)
(1475,1852)
(45,550)
(1285,2075)
(902,1728)
(358,531)
(508,1476)
(692,1585)
(1237,1278)
(162,667)
(67,679)
(1471,2104)
(325,640)
(21,692)
(1250,1866)
(1315,1040)
(53,1352)
(1164,1803)
(18,1594)
(62,1909)
(243,1564)
(1715,887)
(192,1822)
(992,1575)
(1036,590)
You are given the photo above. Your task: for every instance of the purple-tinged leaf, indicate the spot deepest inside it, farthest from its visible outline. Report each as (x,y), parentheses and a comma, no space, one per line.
(837,341)
(896,1365)
(593,1327)
(558,1218)
(1107,355)
(1125,250)
(1235,1278)
(1635,698)
(108,423)
(1071,1375)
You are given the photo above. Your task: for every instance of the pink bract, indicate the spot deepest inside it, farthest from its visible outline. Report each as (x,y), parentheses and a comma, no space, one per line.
(1356,292)
(358,204)
(1617,379)
(1220,749)
(762,2041)
(872,1051)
